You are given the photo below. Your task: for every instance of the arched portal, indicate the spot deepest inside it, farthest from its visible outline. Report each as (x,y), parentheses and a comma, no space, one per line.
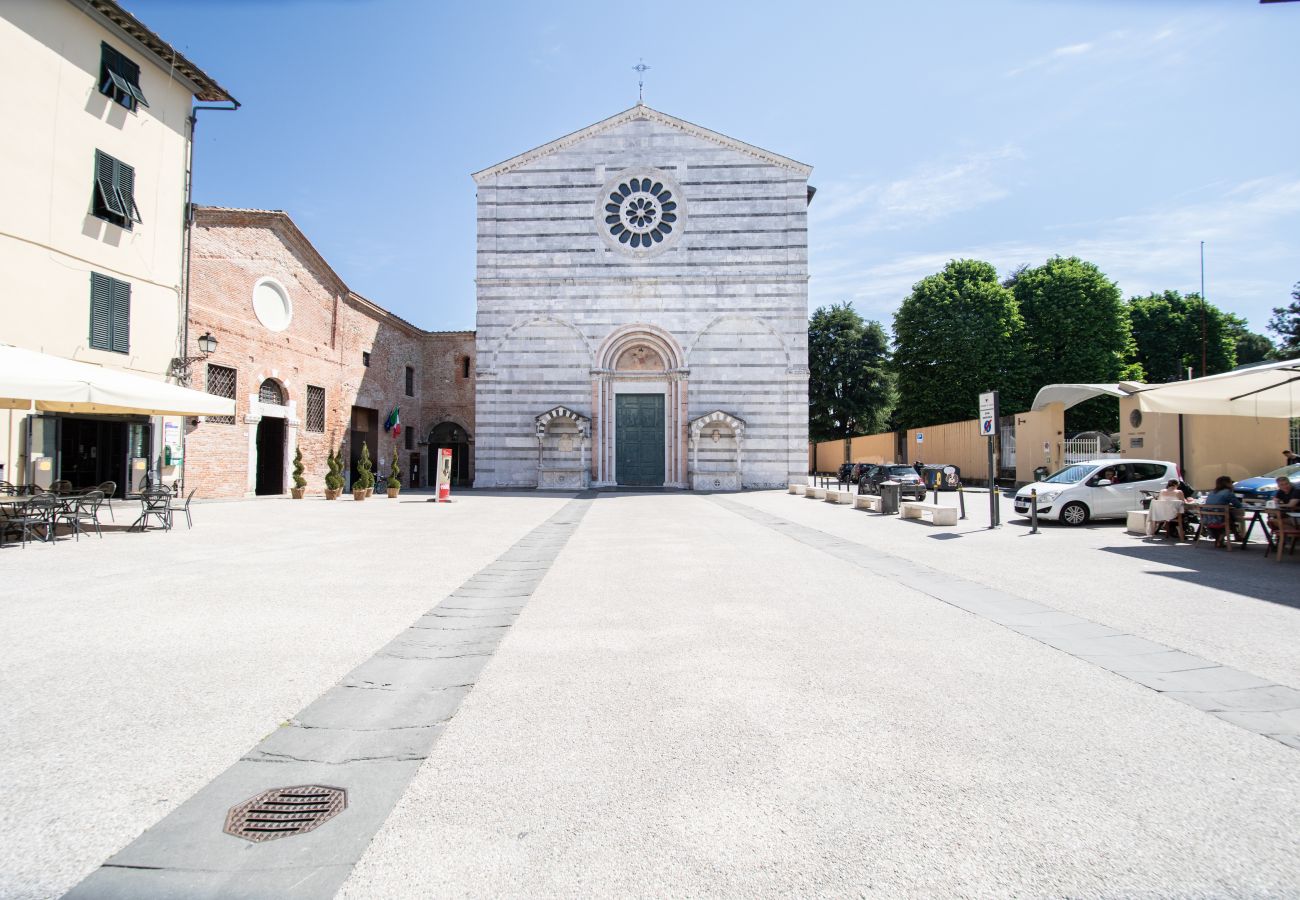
(639,409)
(458,440)
(270,438)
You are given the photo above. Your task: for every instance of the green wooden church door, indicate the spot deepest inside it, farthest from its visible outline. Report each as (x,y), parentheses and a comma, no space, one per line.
(639,438)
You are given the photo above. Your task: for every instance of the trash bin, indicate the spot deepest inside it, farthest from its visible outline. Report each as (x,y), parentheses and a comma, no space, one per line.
(941,477)
(889,497)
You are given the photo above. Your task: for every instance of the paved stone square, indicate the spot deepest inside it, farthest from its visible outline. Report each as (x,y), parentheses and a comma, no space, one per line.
(649,694)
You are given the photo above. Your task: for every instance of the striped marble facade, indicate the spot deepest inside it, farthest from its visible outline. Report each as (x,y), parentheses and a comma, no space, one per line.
(714,317)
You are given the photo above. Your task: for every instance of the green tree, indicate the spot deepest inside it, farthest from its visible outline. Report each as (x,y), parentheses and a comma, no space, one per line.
(850,388)
(1286,325)
(956,335)
(1250,347)
(1076,332)
(1167,336)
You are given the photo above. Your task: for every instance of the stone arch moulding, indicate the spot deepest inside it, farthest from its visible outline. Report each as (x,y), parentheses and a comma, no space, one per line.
(627,337)
(608,381)
(739,317)
(441,419)
(718,474)
(561,465)
(490,364)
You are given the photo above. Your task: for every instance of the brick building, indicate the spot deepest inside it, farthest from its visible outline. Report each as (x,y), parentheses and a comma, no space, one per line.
(311,364)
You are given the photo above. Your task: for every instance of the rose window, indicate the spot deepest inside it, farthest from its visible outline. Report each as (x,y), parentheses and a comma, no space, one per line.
(640,212)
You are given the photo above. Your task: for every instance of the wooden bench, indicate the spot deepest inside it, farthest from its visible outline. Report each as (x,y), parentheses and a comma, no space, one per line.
(798,488)
(867,501)
(844,497)
(815,493)
(939,515)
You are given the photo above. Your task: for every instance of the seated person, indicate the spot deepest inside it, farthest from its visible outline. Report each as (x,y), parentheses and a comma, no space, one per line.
(1108,475)
(1287,496)
(1222,495)
(1172,491)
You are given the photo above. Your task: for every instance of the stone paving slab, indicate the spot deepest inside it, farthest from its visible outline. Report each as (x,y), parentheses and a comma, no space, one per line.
(367,735)
(1181,676)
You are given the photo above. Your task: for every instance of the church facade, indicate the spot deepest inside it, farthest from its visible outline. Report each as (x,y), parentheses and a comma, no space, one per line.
(642,311)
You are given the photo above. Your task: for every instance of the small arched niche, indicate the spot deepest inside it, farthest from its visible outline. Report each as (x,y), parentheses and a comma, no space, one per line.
(716,446)
(562,449)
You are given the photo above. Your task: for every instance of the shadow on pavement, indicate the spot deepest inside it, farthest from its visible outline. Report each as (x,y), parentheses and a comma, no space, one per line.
(1245,572)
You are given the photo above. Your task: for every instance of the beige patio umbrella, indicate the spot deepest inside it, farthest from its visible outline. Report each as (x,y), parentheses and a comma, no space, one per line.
(1265,391)
(55,384)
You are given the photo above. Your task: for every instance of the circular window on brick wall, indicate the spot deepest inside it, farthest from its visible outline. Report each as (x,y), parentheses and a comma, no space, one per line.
(640,212)
(271,304)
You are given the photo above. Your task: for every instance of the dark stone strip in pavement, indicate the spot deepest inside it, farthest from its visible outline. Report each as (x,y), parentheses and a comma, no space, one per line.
(368,735)
(1242,699)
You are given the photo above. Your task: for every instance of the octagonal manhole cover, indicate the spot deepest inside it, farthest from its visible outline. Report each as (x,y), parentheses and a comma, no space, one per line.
(286,811)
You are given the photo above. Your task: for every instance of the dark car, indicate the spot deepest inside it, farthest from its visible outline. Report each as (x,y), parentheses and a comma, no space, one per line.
(850,472)
(910,484)
(1262,488)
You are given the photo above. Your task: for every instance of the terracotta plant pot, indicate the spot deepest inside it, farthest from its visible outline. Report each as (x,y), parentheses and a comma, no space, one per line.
(297,492)
(332,493)
(369,491)
(393,492)
(359,494)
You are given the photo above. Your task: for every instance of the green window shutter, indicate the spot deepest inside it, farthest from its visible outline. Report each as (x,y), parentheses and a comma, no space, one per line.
(121,316)
(106,198)
(101,312)
(120,78)
(124,181)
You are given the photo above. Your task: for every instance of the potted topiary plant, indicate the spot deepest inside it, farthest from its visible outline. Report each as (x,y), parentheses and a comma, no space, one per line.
(299,483)
(334,478)
(364,482)
(394,476)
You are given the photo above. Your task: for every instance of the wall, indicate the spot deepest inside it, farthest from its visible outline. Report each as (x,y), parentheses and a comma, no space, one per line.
(830,456)
(874,448)
(55,119)
(730,297)
(1034,430)
(323,346)
(954,444)
(1236,446)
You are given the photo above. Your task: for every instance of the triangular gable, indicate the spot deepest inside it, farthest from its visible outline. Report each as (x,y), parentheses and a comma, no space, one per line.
(639,113)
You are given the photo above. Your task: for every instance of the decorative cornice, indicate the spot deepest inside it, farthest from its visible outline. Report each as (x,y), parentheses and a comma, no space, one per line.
(641,113)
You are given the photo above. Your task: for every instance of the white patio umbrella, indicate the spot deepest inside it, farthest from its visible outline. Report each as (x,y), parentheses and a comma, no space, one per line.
(1266,391)
(55,384)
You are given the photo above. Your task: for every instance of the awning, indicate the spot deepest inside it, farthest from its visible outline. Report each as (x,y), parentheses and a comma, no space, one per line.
(55,384)
(1074,394)
(1264,391)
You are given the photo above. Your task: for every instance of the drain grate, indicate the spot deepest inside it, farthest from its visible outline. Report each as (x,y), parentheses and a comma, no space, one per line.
(284,812)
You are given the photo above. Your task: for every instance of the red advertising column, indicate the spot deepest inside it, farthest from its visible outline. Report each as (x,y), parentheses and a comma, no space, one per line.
(444,475)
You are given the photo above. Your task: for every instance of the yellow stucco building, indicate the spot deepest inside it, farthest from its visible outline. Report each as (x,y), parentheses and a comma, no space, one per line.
(97,161)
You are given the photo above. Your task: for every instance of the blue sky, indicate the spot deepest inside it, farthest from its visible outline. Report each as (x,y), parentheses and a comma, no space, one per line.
(1009,130)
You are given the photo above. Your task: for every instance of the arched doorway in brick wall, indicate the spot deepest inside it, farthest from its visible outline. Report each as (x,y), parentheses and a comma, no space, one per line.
(270,439)
(461,443)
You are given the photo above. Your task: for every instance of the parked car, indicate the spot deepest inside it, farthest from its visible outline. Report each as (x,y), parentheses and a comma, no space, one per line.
(1261,488)
(849,472)
(910,484)
(1097,489)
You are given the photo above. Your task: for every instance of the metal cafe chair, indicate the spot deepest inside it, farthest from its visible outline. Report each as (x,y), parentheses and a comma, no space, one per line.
(155,503)
(38,512)
(185,508)
(82,509)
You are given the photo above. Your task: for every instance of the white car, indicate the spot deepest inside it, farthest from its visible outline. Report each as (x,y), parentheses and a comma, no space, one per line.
(1098,489)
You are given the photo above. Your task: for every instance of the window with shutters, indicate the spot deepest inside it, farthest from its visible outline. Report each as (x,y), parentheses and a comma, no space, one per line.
(110,313)
(114,194)
(315,408)
(119,78)
(221,383)
(410,381)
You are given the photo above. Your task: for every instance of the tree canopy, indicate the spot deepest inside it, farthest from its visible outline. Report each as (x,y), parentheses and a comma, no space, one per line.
(1167,334)
(1286,325)
(957,334)
(1250,347)
(850,388)
(1076,330)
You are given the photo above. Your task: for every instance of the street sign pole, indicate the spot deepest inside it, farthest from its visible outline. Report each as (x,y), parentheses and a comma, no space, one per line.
(989,428)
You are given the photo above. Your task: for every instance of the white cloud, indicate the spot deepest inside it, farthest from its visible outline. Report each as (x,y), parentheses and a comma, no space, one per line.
(1250,229)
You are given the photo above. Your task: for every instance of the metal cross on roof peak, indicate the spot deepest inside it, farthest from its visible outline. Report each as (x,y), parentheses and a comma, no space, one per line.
(640,68)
